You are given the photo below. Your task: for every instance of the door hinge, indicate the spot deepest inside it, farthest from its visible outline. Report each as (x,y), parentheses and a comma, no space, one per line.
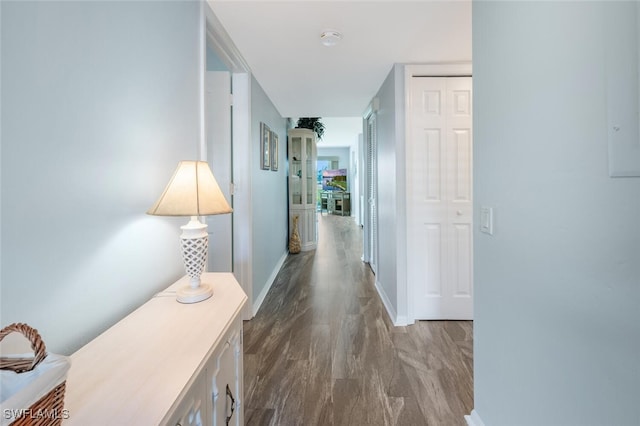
(231,99)
(232,188)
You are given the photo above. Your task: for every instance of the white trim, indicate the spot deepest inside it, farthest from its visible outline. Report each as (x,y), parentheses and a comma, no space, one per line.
(243,207)
(474,419)
(372,108)
(397,321)
(223,46)
(401,321)
(408,74)
(202,70)
(435,70)
(402,301)
(268,284)
(410,71)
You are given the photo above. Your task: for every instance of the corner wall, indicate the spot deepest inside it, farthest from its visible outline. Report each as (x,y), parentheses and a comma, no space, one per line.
(268,197)
(99,103)
(557,287)
(391,276)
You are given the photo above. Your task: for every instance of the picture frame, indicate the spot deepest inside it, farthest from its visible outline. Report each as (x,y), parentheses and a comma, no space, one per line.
(265,147)
(274,151)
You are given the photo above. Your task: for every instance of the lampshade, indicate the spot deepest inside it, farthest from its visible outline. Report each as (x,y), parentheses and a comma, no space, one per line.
(192,191)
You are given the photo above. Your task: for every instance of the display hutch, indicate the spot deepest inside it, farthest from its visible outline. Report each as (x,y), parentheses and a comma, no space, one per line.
(303,185)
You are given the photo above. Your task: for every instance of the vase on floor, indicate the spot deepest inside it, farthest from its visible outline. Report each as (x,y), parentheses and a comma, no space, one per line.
(294,242)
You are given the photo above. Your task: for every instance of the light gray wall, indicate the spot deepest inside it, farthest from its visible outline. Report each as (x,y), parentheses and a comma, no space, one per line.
(268,193)
(214,63)
(557,287)
(390,132)
(99,103)
(341,153)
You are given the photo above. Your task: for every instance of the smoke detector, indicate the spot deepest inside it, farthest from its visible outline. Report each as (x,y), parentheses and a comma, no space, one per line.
(330,37)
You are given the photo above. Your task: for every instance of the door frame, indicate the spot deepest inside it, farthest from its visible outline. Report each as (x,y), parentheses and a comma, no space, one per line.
(212,32)
(370,254)
(456,69)
(219,155)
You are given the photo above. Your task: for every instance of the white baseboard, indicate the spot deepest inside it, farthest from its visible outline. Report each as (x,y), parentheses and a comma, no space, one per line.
(267,285)
(474,419)
(395,319)
(401,321)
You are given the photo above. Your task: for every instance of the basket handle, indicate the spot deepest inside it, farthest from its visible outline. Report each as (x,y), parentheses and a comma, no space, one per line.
(20,365)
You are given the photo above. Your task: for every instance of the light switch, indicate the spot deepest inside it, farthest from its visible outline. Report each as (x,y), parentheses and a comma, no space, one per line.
(486,220)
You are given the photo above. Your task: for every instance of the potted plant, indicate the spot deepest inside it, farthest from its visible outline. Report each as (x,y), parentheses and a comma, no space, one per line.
(312,123)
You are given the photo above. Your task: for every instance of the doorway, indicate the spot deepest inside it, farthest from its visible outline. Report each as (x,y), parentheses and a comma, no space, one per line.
(219,156)
(229,85)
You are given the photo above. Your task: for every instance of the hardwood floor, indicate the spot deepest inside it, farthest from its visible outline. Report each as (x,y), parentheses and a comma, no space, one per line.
(322,350)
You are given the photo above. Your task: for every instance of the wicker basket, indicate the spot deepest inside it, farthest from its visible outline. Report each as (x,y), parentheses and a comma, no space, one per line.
(48,409)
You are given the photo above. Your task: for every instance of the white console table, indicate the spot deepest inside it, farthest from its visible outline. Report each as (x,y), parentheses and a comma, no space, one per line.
(166,363)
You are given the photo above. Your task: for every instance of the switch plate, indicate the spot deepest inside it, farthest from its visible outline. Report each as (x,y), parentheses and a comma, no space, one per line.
(486,220)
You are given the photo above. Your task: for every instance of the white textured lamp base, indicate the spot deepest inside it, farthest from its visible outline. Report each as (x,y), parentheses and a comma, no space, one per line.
(189,294)
(195,243)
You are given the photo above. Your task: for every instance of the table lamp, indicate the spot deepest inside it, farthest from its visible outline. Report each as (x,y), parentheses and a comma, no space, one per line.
(192,191)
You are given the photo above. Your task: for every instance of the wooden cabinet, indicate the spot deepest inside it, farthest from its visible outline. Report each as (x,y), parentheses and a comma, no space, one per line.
(166,363)
(303,186)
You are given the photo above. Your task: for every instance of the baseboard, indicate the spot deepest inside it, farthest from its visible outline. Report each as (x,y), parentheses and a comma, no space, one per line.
(267,285)
(474,419)
(395,319)
(401,321)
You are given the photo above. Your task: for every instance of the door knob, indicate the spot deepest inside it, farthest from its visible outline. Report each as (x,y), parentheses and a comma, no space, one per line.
(459,212)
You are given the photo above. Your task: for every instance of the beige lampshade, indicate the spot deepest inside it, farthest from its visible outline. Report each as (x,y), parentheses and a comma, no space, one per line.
(192,191)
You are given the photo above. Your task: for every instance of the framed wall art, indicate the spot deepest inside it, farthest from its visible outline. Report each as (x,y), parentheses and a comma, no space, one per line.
(265,148)
(274,151)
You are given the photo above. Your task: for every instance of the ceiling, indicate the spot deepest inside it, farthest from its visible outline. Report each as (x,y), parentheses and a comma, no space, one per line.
(280,41)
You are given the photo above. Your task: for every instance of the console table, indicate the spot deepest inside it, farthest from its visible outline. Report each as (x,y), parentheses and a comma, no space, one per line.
(166,363)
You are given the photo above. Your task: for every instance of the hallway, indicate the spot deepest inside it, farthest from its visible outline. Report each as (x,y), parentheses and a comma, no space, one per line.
(322,351)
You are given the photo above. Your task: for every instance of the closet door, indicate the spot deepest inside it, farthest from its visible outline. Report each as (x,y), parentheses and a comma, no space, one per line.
(439,189)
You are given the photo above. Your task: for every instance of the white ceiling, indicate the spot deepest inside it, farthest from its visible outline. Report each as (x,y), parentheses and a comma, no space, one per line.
(340,132)
(280,41)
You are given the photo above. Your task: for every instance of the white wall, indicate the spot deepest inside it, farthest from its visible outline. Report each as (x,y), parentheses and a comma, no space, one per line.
(557,287)
(342,154)
(214,63)
(99,103)
(391,275)
(268,195)
(341,131)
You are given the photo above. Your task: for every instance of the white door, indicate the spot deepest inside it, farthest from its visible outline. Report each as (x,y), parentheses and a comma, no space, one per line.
(439,183)
(218,132)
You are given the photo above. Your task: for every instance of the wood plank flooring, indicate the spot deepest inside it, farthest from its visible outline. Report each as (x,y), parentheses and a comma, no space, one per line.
(322,350)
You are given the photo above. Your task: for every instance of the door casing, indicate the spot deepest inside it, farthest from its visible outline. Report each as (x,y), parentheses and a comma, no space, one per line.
(411,71)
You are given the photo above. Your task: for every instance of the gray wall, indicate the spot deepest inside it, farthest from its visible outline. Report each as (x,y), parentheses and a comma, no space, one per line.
(341,153)
(214,63)
(557,287)
(391,208)
(268,193)
(99,103)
